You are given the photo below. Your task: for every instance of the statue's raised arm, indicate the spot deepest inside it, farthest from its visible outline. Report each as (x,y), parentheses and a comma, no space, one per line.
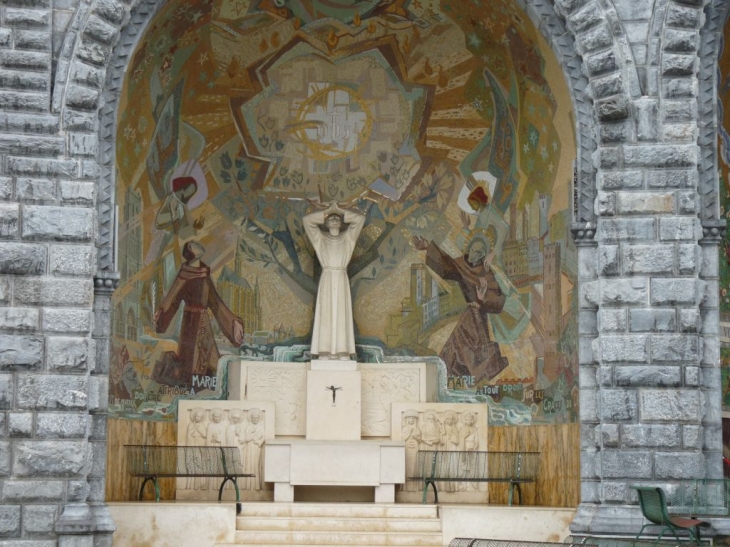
(333,232)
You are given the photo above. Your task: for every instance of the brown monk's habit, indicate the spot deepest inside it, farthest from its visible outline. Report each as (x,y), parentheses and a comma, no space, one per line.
(469,351)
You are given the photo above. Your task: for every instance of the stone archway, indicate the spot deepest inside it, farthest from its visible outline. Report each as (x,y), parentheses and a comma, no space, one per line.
(615,106)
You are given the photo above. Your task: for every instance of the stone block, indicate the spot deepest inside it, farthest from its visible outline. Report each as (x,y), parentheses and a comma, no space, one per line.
(589,436)
(79,121)
(604,375)
(21,352)
(18,319)
(613,109)
(9,219)
(101,31)
(710,377)
(610,435)
(600,63)
(39,519)
(682,16)
(672,178)
(587,377)
(691,376)
(81,97)
(50,458)
(24,18)
(624,464)
(650,435)
(24,81)
(680,228)
(692,437)
(89,169)
(9,521)
(35,190)
(648,259)
(689,320)
(30,102)
(612,320)
(615,133)
(61,425)
(587,262)
(677,348)
(52,392)
(709,260)
(5,454)
(589,492)
(621,349)
(711,298)
(648,376)
(83,144)
(11,122)
(92,52)
(711,353)
(32,40)
(54,292)
(58,223)
(590,464)
(711,437)
(624,229)
(587,323)
(6,188)
(660,155)
(651,320)
(607,157)
(615,180)
(4,290)
(688,258)
(73,260)
(605,204)
(22,258)
(644,203)
(677,291)
(42,167)
(66,321)
(678,111)
(618,405)
(585,18)
(608,260)
(614,492)
(678,88)
(679,465)
(110,10)
(77,192)
(677,65)
(32,491)
(608,85)
(69,354)
(588,405)
(680,133)
(675,405)
(624,292)
(20,424)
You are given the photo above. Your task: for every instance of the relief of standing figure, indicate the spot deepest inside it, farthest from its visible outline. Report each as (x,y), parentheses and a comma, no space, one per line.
(411,438)
(254,437)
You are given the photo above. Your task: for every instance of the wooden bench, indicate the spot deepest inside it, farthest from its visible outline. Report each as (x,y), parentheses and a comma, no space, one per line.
(514,468)
(152,462)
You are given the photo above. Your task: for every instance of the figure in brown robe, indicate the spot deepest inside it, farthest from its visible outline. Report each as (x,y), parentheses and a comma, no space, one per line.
(469,351)
(197,353)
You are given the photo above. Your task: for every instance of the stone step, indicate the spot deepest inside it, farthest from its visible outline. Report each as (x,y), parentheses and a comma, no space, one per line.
(339,524)
(400,539)
(339,510)
(439,544)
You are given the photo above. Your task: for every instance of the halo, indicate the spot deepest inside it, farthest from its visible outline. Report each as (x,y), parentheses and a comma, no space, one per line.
(488,236)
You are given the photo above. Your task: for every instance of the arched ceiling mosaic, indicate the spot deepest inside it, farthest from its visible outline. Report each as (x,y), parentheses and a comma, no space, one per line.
(447,123)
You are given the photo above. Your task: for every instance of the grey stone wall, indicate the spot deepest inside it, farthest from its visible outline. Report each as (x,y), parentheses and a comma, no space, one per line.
(642,78)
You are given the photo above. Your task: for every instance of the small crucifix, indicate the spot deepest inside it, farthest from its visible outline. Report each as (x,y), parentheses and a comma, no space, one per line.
(334,392)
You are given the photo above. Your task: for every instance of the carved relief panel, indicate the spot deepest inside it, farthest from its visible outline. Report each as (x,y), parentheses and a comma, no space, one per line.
(446,427)
(241,424)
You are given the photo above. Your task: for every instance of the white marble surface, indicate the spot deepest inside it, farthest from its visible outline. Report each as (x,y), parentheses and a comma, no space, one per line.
(335,417)
(505,523)
(299,462)
(173,524)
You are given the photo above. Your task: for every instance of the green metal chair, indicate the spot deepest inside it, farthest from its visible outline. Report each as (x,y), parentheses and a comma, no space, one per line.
(654,508)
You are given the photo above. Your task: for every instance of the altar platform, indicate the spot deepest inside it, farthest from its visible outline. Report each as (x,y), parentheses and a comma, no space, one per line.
(212,524)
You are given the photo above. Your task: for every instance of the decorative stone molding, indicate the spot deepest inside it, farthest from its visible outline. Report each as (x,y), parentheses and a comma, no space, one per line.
(584,233)
(713,231)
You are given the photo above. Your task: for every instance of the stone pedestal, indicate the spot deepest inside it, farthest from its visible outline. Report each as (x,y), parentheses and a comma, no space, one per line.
(334,405)
(299,462)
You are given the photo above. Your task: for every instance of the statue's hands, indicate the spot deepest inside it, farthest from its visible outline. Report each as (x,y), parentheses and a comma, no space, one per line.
(419,243)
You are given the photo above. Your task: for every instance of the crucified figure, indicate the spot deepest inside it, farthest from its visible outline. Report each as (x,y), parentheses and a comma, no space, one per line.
(334,391)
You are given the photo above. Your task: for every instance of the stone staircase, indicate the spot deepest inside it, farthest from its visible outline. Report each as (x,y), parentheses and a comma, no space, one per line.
(334,525)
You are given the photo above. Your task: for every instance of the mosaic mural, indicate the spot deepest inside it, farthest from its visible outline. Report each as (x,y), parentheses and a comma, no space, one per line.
(446,123)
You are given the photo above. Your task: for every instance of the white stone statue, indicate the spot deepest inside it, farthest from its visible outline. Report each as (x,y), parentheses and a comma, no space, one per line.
(333,336)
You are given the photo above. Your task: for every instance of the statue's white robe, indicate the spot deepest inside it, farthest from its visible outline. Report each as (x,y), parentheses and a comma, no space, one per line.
(333,331)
